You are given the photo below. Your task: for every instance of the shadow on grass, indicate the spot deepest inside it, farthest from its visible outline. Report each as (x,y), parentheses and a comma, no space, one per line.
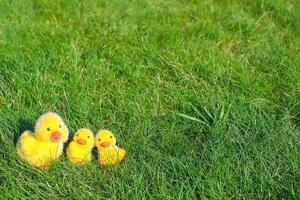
(23,125)
(66,144)
(95,153)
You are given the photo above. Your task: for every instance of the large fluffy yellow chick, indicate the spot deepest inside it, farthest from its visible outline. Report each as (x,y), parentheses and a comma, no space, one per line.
(108,152)
(45,145)
(80,149)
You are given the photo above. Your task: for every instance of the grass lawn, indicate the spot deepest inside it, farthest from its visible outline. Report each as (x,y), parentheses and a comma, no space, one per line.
(203,95)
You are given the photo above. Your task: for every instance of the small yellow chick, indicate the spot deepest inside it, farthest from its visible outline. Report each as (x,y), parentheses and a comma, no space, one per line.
(108,152)
(80,149)
(45,145)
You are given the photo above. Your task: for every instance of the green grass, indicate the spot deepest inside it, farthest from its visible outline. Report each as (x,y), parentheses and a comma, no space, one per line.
(204,96)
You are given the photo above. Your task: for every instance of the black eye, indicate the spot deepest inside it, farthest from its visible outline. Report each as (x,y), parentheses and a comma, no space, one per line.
(110,136)
(88,136)
(59,126)
(77,135)
(99,139)
(48,129)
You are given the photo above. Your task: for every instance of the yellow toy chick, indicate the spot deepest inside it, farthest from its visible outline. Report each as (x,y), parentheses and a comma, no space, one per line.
(80,149)
(45,145)
(108,152)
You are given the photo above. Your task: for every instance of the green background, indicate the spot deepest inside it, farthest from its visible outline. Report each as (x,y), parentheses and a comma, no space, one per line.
(203,95)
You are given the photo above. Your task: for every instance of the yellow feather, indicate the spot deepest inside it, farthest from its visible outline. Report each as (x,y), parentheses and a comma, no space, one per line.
(79,150)
(45,145)
(108,152)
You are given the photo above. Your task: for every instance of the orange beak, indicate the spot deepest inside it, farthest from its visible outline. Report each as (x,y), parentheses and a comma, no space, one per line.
(81,141)
(55,136)
(105,144)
